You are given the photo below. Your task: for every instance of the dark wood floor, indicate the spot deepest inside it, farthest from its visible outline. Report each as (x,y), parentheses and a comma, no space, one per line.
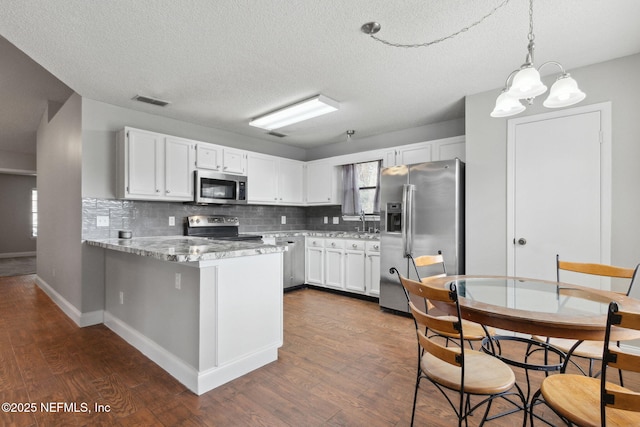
(344,363)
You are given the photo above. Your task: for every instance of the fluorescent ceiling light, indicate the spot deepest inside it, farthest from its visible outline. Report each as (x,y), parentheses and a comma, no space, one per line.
(314,107)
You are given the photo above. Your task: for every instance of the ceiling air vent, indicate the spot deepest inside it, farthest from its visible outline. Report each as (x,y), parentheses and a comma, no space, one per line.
(278,134)
(152,101)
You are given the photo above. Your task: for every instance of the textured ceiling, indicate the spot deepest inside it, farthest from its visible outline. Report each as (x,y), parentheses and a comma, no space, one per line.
(221,63)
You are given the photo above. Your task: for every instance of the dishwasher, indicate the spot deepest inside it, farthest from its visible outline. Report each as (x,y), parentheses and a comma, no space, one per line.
(293,261)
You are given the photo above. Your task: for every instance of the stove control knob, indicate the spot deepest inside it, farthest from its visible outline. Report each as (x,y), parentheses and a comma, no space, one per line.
(198,221)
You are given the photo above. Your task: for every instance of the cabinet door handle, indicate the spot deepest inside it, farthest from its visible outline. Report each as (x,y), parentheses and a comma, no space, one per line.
(157,191)
(376,247)
(354,245)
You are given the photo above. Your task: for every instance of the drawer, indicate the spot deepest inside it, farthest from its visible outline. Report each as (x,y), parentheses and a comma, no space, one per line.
(354,245)
(314,242)
(373,246)
(334,243)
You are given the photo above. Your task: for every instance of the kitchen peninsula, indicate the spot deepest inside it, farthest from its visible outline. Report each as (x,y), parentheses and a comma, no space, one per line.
(206,311)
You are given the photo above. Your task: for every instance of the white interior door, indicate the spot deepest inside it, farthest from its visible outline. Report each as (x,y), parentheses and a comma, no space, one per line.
(559,195)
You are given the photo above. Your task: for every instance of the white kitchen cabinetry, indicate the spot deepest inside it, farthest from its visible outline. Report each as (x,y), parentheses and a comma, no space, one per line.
(290,181)
(334,263)
(314,260)
(408,154)
(221,159)
(372,268)
(322,183)
(449,148)
(429,151)
(354,266)
(274,180)
(351,265)
(153,166)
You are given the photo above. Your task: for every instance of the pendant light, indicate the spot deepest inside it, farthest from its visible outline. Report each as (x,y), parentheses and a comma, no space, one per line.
(525,84)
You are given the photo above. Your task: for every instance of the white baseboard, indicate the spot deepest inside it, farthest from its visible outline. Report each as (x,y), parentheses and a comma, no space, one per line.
(197,382)
(81,319)
(17,254)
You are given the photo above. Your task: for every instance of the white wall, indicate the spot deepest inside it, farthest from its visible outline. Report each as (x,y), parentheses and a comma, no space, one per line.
(486,148)
(59,154)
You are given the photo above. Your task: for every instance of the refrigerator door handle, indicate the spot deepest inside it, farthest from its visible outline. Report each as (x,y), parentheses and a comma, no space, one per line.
(408,191)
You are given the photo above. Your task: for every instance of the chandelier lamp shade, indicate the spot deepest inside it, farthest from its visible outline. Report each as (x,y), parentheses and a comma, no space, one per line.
(525,84)
(304,110)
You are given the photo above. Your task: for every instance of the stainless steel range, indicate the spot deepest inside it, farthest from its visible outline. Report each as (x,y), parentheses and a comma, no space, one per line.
(218,227)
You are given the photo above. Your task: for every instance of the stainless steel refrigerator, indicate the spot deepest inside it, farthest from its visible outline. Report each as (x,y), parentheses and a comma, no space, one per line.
(421,213)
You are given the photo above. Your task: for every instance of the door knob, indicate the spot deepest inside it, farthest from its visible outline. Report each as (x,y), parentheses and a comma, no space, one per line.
(522,241)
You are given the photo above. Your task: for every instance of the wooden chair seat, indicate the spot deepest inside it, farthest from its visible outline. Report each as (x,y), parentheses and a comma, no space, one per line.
(484,374)
(577,398)
(587,349)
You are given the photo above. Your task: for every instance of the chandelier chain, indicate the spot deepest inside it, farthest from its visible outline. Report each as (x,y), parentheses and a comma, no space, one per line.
(450,36)
(531,36)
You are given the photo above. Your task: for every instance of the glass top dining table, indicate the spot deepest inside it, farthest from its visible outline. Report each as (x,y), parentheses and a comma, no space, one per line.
(536,307)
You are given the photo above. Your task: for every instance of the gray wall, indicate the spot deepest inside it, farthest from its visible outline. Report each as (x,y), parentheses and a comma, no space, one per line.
(486,150)
(59,154)
(13,162)
(15,214)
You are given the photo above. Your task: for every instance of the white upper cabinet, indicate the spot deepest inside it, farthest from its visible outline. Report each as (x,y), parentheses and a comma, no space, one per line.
(406,155)
(221,159)
(153,166)
(291,181)
(428,151)
(234,161)
(274,180)
(322,183)
(179,167)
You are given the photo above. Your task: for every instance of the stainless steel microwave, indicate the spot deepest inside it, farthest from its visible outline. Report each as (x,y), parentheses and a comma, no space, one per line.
(212,187)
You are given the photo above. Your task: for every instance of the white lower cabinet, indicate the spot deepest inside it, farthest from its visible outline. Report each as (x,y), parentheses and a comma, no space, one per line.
(345,264)
(354,266)
(334,263)
(314,261)
(372,268)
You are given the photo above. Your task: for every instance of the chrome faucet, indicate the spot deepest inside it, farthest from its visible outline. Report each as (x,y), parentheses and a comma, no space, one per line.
(364,222)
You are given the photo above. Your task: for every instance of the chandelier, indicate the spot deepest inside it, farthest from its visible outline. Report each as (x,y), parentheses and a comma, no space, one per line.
(525,84)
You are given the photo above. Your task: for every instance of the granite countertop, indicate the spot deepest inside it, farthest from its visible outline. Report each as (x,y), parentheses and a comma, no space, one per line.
(186,249)
(322,233)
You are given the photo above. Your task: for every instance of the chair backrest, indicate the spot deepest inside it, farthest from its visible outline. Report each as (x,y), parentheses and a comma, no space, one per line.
(634,289)
(615,357)
(425,322)
(602,270)
(424,261)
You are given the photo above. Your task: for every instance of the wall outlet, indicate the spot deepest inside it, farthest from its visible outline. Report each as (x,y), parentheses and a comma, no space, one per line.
(283,219)
(172,221)
(178,280)
(326,220)
(102,221)
(336,220)
(121,297)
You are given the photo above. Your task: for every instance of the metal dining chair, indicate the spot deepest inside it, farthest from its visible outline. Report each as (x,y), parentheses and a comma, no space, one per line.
(587,401)
(589,350)
(473,332)
(457,372)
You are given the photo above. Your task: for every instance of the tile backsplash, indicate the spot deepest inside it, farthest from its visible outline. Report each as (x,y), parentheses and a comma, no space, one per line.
(144,218)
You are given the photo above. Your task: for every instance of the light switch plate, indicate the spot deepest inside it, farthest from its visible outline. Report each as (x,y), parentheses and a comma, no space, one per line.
(336,220)
(283,219)
(172,221)
(102,221)
(326,220)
